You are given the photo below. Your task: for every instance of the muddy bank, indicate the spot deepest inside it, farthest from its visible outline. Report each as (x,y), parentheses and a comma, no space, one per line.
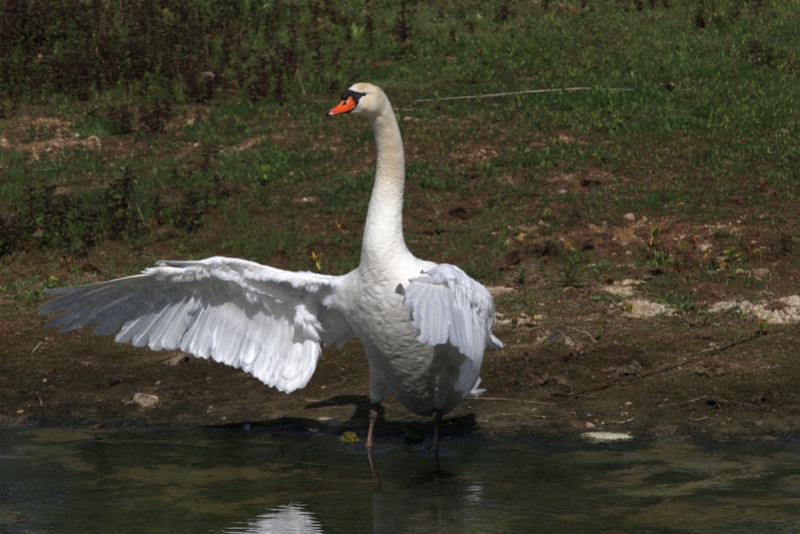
(704,376)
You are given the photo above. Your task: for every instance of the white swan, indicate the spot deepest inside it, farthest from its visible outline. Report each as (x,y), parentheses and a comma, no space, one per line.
(424,326)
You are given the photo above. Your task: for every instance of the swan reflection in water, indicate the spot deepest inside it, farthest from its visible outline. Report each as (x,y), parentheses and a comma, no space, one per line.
(426,505)
(292,518)
(422,505)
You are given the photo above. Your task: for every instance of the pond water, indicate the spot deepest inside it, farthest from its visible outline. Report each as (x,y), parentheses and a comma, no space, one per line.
(267,481)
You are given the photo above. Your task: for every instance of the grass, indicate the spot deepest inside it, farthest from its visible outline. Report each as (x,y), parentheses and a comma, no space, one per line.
(159,156)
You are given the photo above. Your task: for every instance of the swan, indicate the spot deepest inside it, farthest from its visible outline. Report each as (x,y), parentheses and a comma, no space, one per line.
(424,326)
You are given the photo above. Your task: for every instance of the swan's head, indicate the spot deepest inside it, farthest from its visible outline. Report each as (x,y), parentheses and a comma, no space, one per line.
(362,99)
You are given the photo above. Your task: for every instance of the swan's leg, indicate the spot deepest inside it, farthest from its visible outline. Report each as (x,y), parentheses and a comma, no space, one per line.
(373,416)
(437,418)
(376,481)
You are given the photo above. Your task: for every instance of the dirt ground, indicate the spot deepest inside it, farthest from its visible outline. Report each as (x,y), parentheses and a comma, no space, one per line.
(707,376)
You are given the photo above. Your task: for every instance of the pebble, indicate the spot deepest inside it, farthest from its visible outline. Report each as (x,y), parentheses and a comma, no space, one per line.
(145,400)
(604,437)
(175,360)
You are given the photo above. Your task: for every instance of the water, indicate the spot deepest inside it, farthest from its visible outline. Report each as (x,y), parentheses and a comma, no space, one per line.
(230,480)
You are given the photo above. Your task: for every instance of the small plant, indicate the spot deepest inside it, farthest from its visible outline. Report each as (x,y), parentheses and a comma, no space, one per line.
(653,241)
(28,297)
(763,328)
(730,255)
(316,260)
(659,260)
(599,329)
(572,264)
(682,302)
(51,282)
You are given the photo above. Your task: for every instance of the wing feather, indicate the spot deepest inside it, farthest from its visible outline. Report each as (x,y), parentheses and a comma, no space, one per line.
(265,321)
(448,306)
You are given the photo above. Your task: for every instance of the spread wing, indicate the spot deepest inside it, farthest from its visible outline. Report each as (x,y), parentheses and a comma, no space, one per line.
(448,306)
(266,321)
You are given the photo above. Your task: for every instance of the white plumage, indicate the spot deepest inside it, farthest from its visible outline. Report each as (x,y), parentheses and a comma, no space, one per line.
(424,326)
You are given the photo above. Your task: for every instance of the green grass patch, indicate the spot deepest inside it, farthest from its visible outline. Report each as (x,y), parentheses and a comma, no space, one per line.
(206,128)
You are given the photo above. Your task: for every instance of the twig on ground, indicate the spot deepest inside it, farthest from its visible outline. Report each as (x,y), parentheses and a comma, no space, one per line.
(513,93)
(300,80)
(759,333)
(701,397)
(585,332)
(503,399)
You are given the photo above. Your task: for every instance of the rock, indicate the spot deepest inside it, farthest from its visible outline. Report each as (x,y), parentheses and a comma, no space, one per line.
(641,308)
(175,360)
(499,290)
(605,437)
(145,400)
(630,217)
(624,288)
(349,438)
(557,336)
(785,310)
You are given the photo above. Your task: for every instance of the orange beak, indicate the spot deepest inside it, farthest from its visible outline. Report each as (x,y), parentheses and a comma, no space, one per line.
(345,106)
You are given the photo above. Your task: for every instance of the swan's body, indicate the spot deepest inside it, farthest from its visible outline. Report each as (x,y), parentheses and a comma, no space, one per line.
(424,326)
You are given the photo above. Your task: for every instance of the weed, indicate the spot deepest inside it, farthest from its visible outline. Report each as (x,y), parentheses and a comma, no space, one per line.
(521,276)
(682,302)
(571,266)
(659,260)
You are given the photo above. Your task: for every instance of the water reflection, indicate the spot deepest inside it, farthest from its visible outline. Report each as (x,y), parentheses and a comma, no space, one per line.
(426,505)
(292,518)
(429,500)
(221,480)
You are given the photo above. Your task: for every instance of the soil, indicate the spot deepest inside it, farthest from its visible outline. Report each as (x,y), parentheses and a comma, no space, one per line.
(601,354)
(706,376)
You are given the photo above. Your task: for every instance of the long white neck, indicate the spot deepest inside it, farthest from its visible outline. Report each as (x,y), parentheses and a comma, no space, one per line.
(383,232)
